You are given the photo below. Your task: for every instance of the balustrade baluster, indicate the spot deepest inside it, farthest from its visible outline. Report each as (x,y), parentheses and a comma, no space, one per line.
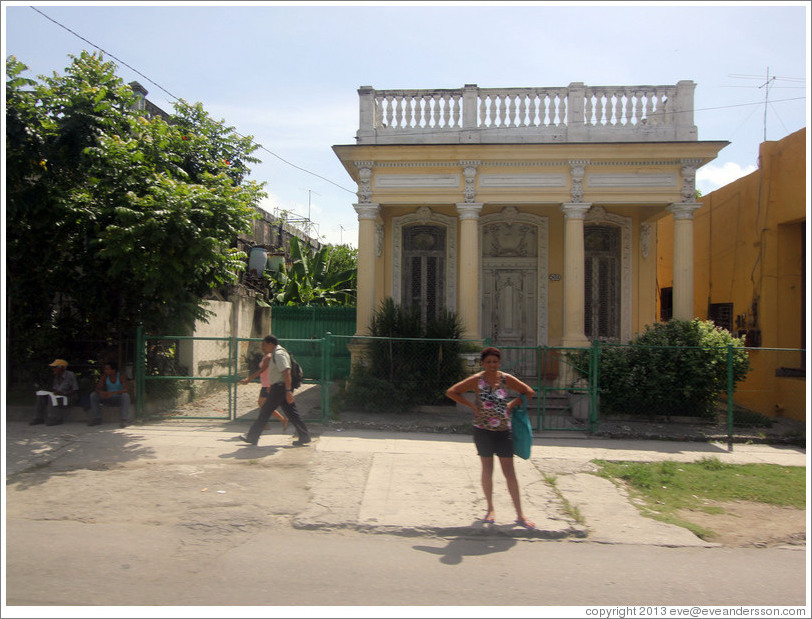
(389,111)
(588,109)
(510,110)
(427,111)
(408,112)
(377,119)
(531,110)
(522,118)
(651,114)
(397,115)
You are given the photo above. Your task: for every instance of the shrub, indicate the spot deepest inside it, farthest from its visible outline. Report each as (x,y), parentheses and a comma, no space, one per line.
(411,363)
(673,368)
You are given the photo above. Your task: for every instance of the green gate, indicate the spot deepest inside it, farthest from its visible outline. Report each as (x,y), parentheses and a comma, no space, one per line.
(565,381)
(189,377)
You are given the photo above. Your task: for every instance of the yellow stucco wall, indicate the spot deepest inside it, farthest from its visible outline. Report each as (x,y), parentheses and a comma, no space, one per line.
(749,250)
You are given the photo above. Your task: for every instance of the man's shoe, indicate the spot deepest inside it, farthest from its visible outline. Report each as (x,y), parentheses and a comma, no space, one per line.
(300,443)
(123,424)
(94,422)
(245,439)
(34,422)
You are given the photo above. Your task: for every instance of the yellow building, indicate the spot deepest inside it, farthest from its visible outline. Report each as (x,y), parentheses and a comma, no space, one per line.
(750,272)
(530,212)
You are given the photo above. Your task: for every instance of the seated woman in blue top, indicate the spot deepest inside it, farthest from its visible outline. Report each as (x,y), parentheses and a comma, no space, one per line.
(492,408)
(111,390)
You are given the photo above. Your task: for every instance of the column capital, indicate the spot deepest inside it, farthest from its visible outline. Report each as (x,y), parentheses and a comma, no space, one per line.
(683,210)
(367,210)
(469,210)
(575,210)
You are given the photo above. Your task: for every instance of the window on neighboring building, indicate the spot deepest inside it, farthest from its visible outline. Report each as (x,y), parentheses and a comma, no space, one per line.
(666,304)
(602,282)
(423,270)
(722,315)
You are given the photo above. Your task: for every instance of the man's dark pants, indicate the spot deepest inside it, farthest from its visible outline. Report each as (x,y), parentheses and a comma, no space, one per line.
(276,399)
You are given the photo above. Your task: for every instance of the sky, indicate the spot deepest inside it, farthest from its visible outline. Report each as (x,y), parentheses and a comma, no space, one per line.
(288,73)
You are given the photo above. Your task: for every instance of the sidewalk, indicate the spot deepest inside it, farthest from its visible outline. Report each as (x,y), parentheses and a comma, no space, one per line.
(407,483)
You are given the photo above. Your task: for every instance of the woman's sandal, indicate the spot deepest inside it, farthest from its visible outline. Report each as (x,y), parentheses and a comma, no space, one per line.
(488,520)
(525,523)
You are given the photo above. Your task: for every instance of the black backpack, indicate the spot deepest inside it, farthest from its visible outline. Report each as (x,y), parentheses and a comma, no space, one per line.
(296,374)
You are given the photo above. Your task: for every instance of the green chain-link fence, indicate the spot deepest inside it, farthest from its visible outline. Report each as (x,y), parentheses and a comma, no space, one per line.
(576,388)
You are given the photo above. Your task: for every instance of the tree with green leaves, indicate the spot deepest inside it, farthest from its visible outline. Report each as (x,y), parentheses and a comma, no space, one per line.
(115,218)
(324,277)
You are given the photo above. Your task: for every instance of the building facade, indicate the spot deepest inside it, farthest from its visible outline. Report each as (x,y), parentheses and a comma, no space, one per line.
(750,260)
(530,212)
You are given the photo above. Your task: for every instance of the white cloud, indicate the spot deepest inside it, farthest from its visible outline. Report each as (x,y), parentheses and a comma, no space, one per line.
(712,176)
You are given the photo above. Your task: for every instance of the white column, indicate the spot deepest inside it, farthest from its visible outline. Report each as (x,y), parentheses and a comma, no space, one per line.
(468,280)
(683,292)
(573,335)
(365,303)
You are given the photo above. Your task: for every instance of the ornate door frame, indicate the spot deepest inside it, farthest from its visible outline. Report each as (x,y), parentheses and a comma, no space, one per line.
(510,217)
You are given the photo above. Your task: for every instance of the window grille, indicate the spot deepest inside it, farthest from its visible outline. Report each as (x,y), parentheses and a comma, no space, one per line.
(602,282)
(424,269)
(722,315)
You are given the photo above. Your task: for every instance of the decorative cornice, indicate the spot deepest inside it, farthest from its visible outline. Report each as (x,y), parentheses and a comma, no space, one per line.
(553,163)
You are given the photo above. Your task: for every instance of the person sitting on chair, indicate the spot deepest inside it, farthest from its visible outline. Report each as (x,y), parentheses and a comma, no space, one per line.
(52,404)
(111,390)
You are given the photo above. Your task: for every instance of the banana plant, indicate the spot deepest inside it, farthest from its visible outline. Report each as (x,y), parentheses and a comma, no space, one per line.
(310,280)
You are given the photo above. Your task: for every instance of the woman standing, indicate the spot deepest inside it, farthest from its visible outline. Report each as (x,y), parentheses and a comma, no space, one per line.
(492,435)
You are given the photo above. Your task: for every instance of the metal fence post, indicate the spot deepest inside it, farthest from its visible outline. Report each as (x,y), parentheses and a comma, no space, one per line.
(327,347)
(140,369)
(594,375)
(730,386)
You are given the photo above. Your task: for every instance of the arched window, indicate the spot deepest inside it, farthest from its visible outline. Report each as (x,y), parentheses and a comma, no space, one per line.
(423,273)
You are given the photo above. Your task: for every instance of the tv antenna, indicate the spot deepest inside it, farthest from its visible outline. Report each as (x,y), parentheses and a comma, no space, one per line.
(769,82)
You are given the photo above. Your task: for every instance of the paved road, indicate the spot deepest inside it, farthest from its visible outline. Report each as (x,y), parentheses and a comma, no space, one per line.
(181,513)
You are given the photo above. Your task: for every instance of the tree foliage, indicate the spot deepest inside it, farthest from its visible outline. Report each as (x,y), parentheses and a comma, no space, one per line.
(115,218)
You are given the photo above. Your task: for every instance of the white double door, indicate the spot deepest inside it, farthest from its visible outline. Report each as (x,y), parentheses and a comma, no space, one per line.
(509,313)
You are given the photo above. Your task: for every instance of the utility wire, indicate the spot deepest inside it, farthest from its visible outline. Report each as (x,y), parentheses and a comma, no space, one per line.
(400,133)
(182,102)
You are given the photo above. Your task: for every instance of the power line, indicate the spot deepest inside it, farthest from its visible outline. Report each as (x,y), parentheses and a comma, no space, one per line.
(182,102)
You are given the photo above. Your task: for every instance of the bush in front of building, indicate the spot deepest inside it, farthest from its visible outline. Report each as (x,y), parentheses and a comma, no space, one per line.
(410,361)
(677,368)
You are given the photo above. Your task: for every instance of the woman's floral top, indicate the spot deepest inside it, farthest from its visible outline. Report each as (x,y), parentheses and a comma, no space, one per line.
(492,412)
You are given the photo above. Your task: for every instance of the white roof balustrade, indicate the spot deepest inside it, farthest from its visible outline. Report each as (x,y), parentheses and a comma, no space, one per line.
(575,113)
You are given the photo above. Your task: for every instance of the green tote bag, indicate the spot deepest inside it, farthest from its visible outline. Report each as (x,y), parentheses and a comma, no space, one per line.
(521,430)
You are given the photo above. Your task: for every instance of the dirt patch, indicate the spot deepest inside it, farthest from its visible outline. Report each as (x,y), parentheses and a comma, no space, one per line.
(744,523)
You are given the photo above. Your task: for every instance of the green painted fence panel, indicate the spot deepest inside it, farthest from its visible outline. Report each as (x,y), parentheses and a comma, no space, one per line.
(289,322)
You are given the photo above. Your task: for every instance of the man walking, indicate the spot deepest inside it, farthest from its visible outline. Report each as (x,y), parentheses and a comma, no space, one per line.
(279,394)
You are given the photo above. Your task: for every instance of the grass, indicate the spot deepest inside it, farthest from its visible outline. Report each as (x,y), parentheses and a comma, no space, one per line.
(661,489)
(571,510)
